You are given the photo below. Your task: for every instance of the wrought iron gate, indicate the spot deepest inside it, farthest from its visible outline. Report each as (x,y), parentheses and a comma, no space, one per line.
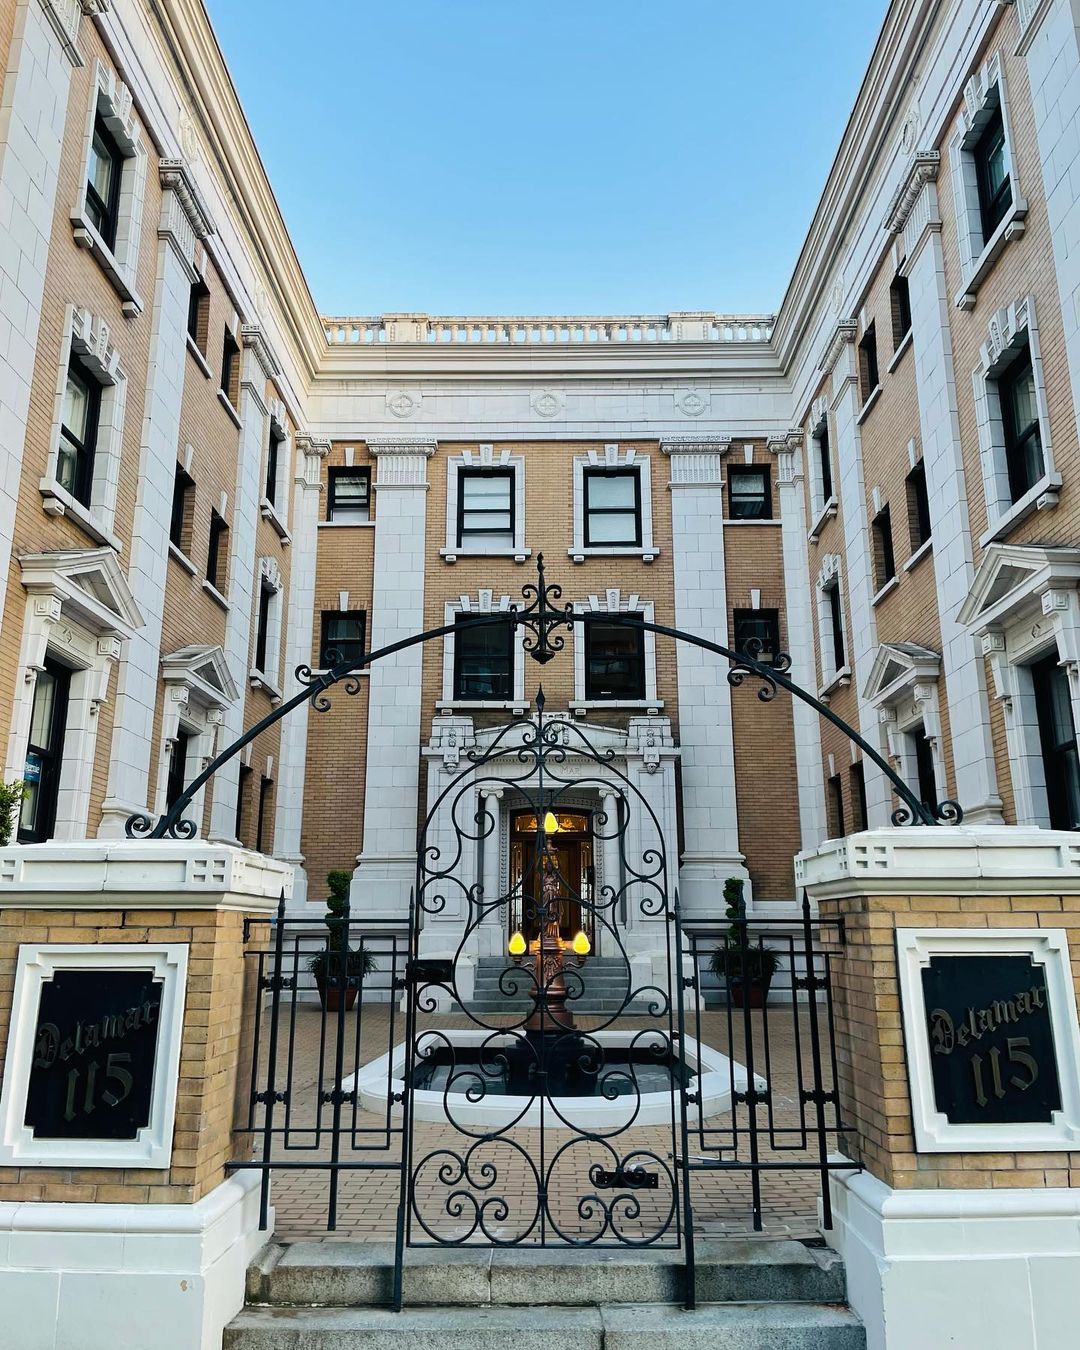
(527,1127)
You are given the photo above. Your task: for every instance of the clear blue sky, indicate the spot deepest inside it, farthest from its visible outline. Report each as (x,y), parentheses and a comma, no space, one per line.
(547,156)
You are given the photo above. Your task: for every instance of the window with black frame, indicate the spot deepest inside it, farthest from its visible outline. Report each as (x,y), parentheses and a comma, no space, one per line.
(750,493)
(884,560)
(103,177)
(217,551)
(183,505)
(612,508)
(230,368)
(836,625)
(483,659)
(869,376)
(1020,423)
(199,314)
(900,306)
(44,753)
(341,637)
(857,784)
(262,626)
(614,661)
(821,440)
(348,497)
(992,173)
(1057,734)
(273,453)
(918,506)
(925,772)
(834,807)
(178,761)
(78,433)
(485,515)
(761,625)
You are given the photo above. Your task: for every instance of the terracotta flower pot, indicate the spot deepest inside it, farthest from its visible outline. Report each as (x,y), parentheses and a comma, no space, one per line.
(330,995)
(748,994)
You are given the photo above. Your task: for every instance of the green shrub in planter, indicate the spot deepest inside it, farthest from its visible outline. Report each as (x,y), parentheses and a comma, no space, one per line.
(747,969)
(337,964)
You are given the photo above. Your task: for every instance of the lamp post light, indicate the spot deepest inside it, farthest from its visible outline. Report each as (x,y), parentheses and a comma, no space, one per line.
(549,951)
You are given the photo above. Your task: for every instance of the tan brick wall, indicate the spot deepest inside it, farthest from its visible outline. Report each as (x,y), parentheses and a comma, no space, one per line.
(873,1079)
(203,1140)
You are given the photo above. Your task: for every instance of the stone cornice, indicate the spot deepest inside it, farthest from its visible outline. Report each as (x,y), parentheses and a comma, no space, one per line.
(315,446)
(176,176)
(708,443)
(843,334)
(923,169)
(253,338)
(402,445)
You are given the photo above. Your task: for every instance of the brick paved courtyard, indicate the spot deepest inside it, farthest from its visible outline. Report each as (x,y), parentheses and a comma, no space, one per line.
(367,1201)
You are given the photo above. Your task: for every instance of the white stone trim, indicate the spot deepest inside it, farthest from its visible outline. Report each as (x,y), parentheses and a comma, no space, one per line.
(1011,330)
(277,511)
(482,602)
(938,860)
(178,1269)
(269,676)
(485,457)
(830,575)
(615,601)
(904,688)
(612,457)
(1048,947)
(87,338)
(820,508)
(112,98)
(36,963)
(984,91)
(964,1268)
(198,690)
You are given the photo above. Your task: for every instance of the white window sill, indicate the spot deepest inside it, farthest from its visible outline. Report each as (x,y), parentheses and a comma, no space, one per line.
(268,511)
(325,670)
(1042,497)
(840,680)
(122,279)
(200,360)
(57,501)
(215,595)
(1012,227)
(871,399)
(579,707)
(451,555)
(919,554)
(898,355)
(226,403)
(887,589)
(827,512)
(179,556)
(346,524)
(647,555)
(762,520)
(258,680)
(517,706)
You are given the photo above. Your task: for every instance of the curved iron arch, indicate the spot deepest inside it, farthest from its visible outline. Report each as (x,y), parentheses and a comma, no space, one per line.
(541,616)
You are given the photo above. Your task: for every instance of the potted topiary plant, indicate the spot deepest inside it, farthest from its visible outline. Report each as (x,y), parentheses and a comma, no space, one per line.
(338,968)
(746,969)
(11,799)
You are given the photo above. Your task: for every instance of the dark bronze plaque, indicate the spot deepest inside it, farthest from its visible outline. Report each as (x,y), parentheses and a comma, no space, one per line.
(991,1040)
(94,1050)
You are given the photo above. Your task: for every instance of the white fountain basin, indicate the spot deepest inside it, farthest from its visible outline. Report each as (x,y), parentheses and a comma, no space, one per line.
(716,1077)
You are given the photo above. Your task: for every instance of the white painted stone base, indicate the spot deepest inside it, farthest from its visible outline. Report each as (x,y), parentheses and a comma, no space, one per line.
(127,1277)
(970,1270)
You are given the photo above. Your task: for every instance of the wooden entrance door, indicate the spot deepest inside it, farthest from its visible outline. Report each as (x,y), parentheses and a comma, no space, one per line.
(571,846)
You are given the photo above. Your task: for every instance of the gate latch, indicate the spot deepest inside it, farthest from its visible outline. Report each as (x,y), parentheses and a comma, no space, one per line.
(431,971)
(634,1178)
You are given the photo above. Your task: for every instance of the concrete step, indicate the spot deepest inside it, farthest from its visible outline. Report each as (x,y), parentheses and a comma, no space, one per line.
(360,1274)
(735,1326)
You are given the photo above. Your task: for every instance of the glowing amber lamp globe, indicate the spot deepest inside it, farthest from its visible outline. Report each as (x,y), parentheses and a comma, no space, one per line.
(582,945)
(516,945)
(551,823)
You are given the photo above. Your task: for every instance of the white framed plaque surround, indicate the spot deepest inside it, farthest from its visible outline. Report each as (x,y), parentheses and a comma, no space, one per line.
(93,1055)
(991,1037)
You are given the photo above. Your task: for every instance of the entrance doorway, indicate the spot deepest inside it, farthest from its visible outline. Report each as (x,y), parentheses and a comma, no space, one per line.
(571,846)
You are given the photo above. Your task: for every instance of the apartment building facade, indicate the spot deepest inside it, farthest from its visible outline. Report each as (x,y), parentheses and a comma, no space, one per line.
(207,485)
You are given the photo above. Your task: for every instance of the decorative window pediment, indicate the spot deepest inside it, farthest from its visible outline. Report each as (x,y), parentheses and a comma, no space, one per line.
(90,582)
(898,667)
(206,673)
(1011,581)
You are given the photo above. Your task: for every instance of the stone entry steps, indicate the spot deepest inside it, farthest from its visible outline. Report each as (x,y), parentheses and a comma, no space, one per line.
(753,1295)
(605,980)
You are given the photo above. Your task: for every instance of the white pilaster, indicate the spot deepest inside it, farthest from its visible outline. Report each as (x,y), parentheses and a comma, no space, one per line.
(710,814)
(259,366)
(492,935)
(386,865)
(798,614)
(183,220)
(840,362)
(293,753)
(33,110)
(916,214)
